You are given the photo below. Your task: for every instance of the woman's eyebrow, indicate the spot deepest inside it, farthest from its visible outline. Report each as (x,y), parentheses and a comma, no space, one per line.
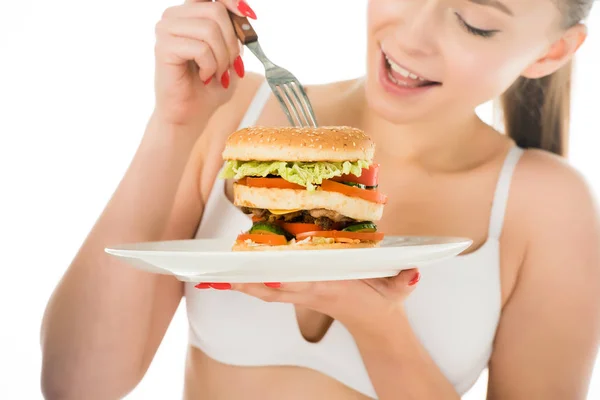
(496,4)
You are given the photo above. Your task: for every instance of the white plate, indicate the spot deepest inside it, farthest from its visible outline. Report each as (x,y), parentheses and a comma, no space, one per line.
(211,260)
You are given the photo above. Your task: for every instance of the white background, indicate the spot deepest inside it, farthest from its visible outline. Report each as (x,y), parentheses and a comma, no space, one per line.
(76,82)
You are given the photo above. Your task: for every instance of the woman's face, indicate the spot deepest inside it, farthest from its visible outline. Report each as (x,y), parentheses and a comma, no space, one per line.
(430,57)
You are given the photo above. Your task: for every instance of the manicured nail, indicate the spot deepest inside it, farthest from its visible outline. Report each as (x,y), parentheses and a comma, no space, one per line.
(274,285)
(246,10)
(225,80)
(415,280)
(202,286)
(220,286)
(238,65)
(206,82)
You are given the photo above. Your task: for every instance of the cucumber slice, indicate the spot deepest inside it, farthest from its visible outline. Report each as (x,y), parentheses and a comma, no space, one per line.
(359,185)
(262,227)
(361,227)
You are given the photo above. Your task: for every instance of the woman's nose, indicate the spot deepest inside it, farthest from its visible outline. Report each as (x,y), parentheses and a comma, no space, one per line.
(420,27)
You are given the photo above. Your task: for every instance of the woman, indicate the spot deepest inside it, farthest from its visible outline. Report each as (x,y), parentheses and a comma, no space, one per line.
(523,301)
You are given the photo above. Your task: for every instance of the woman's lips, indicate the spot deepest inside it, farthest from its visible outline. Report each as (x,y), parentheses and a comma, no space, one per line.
(397,80)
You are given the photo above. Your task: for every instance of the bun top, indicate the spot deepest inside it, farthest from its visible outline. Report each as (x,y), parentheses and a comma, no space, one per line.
(325,143)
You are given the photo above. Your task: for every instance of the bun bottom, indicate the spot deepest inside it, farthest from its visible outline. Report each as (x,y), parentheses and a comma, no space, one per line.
(308,246)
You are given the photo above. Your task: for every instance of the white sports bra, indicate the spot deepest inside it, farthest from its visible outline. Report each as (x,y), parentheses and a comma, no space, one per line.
(454,310)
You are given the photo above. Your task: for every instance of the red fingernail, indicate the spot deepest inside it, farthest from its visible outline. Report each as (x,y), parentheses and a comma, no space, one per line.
(206,82)
(202,286)
(225,80)
(238,65)
(415,280)
(220,286)
(246,10)
(274,285)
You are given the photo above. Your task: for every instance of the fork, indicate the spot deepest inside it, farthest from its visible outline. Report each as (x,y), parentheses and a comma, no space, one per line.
(283,83)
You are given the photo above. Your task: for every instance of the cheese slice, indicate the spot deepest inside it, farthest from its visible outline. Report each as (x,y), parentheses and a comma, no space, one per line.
(281,212)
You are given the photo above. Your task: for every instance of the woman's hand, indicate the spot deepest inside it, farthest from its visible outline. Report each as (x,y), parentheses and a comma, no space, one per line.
(354,302)
(197,53)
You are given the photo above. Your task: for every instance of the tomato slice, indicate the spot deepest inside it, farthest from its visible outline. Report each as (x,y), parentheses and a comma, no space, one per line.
(370,195)
(363,236)
(296,228)
(368,177)
(271,183)
(257,219)
(273,240)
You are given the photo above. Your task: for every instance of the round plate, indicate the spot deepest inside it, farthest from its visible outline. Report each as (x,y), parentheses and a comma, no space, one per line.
(211,260)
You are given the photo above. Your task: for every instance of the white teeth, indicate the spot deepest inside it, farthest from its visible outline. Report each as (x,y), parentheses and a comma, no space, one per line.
(405,73)
(399,69)
(392,78)
(398,83)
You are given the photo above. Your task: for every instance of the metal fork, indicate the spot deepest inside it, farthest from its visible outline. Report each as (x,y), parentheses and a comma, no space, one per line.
(283,83)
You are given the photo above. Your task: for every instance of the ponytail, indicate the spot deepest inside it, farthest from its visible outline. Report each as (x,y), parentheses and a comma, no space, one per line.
(537,111)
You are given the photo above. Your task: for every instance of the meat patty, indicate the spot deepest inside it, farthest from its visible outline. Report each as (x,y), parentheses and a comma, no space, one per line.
(332,215)
(326,219)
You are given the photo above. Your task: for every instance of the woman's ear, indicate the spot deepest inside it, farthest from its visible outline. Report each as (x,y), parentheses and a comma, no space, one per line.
(559,53)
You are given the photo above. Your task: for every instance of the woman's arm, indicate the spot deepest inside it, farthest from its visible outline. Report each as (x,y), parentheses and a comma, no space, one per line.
(105,320)
(548,335)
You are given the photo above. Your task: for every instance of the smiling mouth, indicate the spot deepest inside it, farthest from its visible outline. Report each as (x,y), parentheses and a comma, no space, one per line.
(402,77)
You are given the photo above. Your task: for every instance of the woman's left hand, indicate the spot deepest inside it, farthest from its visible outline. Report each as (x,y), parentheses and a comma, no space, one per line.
(350,302)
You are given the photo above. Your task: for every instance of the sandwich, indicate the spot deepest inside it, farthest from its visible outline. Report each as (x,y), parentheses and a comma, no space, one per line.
(305,188)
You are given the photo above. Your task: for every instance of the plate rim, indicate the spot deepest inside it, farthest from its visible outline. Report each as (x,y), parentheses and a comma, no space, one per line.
(457,241)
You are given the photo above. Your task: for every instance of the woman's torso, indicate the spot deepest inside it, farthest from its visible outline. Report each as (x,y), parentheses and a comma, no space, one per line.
(245,348)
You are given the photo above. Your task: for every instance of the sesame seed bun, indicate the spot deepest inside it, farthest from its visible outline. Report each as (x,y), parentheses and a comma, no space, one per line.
(326,143)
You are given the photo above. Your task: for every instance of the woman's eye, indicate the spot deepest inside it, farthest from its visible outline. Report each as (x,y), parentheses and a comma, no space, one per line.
(475,31)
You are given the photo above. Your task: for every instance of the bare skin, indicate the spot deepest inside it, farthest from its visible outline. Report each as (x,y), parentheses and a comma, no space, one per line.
(104,322)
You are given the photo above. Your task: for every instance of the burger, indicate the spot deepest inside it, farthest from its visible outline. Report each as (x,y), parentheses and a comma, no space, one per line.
(305,188)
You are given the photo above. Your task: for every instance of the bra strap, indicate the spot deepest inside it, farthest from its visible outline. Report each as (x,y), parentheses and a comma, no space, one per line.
(256,106)
(502,190)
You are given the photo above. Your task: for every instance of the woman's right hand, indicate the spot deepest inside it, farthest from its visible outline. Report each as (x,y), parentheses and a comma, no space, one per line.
(197,55)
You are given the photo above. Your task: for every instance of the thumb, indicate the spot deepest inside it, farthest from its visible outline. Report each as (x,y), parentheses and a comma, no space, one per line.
(406,279)
(402,284)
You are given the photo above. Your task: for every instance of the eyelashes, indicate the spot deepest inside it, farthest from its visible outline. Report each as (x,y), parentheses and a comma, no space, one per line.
(475,31)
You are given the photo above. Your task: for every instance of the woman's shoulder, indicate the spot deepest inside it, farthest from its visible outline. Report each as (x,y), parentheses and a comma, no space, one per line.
(546,176)
(226,118)
(553,199)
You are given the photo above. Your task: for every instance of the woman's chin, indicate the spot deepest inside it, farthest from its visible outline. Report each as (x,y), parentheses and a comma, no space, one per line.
(394,113)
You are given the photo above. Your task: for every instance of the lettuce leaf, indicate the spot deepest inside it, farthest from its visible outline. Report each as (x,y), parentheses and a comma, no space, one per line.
(307,174)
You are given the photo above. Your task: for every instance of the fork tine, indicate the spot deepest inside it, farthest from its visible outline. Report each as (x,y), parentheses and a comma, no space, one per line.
(298,108)
(306,105)
(291,87)
(275,91)
(292,106)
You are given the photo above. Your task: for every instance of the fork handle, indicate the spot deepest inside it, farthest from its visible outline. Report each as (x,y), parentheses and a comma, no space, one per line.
(244,31)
